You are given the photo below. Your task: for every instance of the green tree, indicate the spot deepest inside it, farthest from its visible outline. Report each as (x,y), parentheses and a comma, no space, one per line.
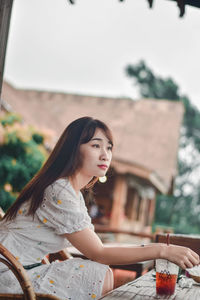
(22,154)
(182,209)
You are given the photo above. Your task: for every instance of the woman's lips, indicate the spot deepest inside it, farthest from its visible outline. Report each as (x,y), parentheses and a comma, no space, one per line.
(103,167)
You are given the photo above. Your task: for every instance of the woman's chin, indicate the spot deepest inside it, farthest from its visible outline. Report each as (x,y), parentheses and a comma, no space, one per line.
(101,174)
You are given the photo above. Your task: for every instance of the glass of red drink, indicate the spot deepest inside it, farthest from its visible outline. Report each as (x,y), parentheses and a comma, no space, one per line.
(166,277)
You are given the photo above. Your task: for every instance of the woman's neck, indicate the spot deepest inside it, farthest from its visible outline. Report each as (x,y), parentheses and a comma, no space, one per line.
(79,181)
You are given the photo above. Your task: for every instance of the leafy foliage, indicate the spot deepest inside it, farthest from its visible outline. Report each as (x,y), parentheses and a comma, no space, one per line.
(152,86)
(22,154)
(38,138)
(10,119)
(181,210)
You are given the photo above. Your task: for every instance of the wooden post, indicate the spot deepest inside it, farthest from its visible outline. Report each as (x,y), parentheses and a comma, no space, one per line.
(142,214)
(152,210)
(5,14)
(119,200)
(135,205)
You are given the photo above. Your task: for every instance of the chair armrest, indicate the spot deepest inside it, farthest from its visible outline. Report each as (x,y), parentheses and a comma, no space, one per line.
(20,273)
(61,255)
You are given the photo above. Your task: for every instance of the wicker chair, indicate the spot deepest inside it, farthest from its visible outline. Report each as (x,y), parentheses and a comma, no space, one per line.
(21,275)
(1,213)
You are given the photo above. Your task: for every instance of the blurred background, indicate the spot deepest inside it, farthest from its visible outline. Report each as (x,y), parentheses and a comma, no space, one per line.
(134,68)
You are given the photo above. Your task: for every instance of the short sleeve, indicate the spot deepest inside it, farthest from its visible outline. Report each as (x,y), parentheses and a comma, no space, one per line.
(62,210)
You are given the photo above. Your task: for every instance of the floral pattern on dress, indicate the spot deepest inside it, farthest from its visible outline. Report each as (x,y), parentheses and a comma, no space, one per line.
(62,211)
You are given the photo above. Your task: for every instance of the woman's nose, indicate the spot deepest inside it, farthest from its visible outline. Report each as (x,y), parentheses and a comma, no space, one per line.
(104,155)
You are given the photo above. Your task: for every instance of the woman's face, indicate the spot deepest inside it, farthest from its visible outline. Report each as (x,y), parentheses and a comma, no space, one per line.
(96,155)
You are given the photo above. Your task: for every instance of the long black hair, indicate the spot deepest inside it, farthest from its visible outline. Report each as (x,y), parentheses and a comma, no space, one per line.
(64,160)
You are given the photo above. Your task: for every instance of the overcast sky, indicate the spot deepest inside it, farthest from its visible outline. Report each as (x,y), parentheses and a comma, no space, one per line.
(84,48)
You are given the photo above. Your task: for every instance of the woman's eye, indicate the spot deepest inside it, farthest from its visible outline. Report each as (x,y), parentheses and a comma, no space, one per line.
(110,148)
(95,146)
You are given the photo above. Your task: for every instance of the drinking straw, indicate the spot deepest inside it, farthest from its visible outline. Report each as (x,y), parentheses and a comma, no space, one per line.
(168,239)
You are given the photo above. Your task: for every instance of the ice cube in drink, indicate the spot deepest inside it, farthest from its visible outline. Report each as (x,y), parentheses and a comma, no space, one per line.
(165,283)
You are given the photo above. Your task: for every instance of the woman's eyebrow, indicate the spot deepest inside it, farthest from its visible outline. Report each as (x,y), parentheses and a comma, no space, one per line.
(96,139)
(99,139)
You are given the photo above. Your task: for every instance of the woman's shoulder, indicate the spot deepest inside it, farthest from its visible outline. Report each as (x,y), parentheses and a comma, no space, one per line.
(59,184)
(60,187)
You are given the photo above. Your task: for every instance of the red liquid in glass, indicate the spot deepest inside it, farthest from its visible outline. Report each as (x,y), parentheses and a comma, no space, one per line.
(165,283)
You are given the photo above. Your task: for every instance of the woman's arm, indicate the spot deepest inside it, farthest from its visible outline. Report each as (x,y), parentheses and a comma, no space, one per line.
(88,243)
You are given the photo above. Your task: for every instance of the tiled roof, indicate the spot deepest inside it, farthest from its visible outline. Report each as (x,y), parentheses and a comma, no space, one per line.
(146,132)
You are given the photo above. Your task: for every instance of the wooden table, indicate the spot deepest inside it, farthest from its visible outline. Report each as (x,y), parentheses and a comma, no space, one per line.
(144,288)
(137,267)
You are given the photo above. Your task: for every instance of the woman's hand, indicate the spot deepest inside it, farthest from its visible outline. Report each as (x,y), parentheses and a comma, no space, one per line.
(88,243)
(182,256)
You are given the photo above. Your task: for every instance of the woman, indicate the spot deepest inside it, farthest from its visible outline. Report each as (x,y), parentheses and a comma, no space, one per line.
(50,213)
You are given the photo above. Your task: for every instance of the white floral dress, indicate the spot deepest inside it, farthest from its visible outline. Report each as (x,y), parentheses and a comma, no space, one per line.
(62,211)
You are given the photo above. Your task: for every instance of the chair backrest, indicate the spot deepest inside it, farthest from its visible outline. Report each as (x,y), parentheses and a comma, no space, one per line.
(190,241)
(16,267)
(20,273)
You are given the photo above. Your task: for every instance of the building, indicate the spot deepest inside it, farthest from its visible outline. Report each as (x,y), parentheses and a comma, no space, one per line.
(146,136)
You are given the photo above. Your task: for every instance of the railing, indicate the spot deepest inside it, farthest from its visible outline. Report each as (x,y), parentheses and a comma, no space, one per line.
(186,240)
(107,229)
